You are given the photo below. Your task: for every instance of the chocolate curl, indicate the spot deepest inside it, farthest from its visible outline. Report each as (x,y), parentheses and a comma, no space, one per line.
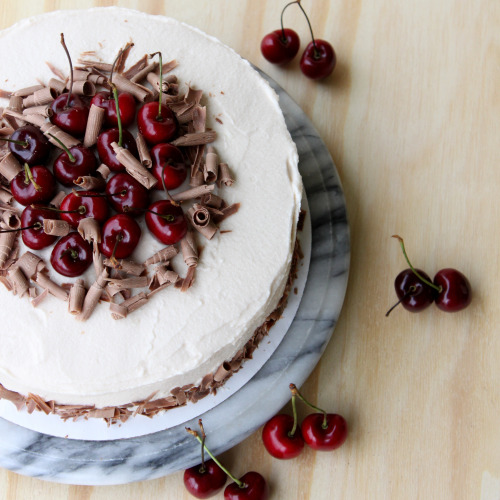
(16,105)
(94,124)
(44,110)
(189,249)
(226,212)
(143,149)
(84,87)
(222,372)
(133,303)
(128,283)
(118,311)
(196,192)
(36,301)
(57,85)
(134,167)
(124,85)
(19,281)
(211,170)
(104,171)
(166,276)
(58,198)
(37,120)
(143,73)
(97,260)
(200,218)
(225,176)
(76,297)
(128,266)
(164,255)
(188,281)
(196,179)
(6,196)
(9,166)
(55,227)
(212,200)
(28,90)
(30,264)
(89,230)
(80,74)
(90,183)
(11,220)
(44,281)
(42,96)
(6,245)
(196,138)
(136,67)
(199,115)
(93,295)
(95,65)
(97,79)
(48,129)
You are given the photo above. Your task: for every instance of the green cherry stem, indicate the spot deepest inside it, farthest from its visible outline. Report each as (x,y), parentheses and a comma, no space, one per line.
(419,276)
(70,88)
(159,117)
(24,144)
(72,159)
(295,392)
(241,484)
(294,409)
(118,117)
(316,52)
(28,177)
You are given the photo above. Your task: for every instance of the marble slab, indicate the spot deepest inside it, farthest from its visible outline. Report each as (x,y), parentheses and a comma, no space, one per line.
(127,460)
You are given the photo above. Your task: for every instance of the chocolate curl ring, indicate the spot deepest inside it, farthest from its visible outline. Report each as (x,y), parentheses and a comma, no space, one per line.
(201,221)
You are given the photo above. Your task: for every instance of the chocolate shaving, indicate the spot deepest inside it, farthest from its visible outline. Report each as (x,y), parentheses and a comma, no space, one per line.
(48,129)
(164,255)
(143,149)
(199,115)
(6,245)
(189,249)
(127,266)
(40,404)
(37,120)
(45,282)
(57,85)
(14,397)
(56,227)
(58,198)
(81,74)
(44,110)
(89,230)
(212,200)
(24,92)
(36,301)
(200,219)
(16,105)
(118,311)
(42,96)
(134,167)
(90,183)
(76,297)
(84,87)
(19,282)
(126,283)
(211,169)
(196,138)
(143,73)
(95,65)
(11,219)
(196,192)
(93,295)
(135,302)
(188,281)
(138,91)
(225,176)
(165,276)
(10,167)
(104,171)
(122,57)
(6,196)
(30,264)
(135,68)
(94,125)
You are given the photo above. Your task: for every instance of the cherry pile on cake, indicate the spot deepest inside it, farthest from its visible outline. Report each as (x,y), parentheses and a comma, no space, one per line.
(149,200)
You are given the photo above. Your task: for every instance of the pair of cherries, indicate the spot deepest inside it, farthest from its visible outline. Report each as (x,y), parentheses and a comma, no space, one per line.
(321,431)
(281,46)
(450,290)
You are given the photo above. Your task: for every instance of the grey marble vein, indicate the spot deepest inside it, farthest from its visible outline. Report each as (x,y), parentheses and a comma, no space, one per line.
(155,455)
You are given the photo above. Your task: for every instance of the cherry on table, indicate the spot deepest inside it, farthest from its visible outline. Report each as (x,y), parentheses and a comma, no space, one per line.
(126,194)
(77,161)
(324,432)
(413,293)
(106,152)
(33,185)
(280,439)
(456,292)
(204,481)
(126,107)
(35,237)
(29,145)
(254,488)
(318,60)
(71,255)
(166,221)
(156,126)
(70,116)
(280,46)
(169,161)
(79,205)
(120,236)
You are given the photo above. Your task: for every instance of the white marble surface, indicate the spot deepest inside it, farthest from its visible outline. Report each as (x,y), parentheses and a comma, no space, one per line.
(155,455)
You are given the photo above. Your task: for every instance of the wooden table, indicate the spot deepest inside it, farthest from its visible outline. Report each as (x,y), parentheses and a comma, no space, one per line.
(411,118)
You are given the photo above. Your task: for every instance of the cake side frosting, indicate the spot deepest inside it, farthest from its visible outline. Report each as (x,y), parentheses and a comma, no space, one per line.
(176,338)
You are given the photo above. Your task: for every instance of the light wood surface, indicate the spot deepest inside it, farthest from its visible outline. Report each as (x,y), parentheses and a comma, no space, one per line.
(411,118)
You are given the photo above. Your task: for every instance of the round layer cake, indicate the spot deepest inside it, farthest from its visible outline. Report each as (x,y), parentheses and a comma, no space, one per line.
(176,338)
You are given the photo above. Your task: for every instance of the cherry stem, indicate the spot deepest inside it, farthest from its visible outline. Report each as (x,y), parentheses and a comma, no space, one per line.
(113,260)
(72,159)
(167,217)
(295,392)
(411,291)
(316,51)
(283,36)
(415,272)
(117,58)
(72,253)
(123,192)
(28,177)
(159,117)
(241,484)
(118,117)
(36,225)
(164,185)
(63,43)
(24,144)
(294,409)
(82,210)
(203,437)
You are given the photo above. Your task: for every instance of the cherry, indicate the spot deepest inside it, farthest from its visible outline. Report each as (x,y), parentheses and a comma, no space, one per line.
(120,236)
(318,59)
(324,432)
(34,185)
(254,488)
(106,152)
(126,106)
(413,293)
(280,46)
(71,255)
(123,190)
(455,293)
(281,438)
(77,206)
(166,221)
(169,163)
(204,481)
(156,126)
(77,161)
(29,145)
(35,237)
(71,114)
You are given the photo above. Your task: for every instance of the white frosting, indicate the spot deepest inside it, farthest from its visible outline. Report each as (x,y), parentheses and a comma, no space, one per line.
(177,337)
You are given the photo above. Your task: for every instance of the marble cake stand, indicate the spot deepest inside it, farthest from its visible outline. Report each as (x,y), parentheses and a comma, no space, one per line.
(122,461)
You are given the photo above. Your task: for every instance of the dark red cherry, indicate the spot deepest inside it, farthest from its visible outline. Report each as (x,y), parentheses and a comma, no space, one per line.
(279,49)
(32,146)
(204,482)
(255,488)
(167,223)
(120,236)
(35,238)
(39,189)
(324,435)
(456,293)
(71,255)
(168,159)
(279,441)
(106,152)
(154,128)
(73,118)
(318,61)
(82,206)
(414,294)
(124,191)
(126,105)
(66,171)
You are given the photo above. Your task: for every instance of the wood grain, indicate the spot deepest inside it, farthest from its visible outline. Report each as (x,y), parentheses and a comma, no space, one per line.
(411,118)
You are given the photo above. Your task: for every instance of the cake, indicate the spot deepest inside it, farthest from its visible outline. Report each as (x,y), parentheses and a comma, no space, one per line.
(169,350)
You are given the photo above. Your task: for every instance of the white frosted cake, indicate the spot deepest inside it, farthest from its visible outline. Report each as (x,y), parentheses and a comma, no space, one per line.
(172,346)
